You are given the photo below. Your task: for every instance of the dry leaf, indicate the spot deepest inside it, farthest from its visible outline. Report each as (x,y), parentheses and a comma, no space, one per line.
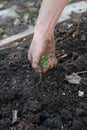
(73,78)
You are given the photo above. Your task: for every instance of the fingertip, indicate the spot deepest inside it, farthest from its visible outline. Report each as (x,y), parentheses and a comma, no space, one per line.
(35,65)
(36,61)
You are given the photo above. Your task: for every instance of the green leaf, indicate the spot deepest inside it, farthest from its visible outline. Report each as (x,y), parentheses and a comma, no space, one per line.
(33,14)
(44,60)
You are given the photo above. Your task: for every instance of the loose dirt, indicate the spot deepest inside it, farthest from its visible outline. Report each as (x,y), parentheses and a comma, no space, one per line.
(55,103)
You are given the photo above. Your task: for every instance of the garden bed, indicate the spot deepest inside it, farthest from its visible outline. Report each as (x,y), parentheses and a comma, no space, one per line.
(55,104)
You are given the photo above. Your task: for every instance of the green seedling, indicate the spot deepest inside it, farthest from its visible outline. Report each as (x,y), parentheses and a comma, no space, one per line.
(21,14)
(33,15)
(44,61)
(43,64)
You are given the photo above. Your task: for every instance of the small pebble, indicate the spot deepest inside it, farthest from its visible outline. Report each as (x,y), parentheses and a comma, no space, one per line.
(80,93)
(63,94)
(69,26)
(16,22)
(5,36)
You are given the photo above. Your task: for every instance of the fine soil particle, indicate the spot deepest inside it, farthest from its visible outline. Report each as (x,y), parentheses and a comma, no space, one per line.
(54,104)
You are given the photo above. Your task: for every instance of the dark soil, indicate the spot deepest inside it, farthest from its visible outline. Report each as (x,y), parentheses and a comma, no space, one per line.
(54,104)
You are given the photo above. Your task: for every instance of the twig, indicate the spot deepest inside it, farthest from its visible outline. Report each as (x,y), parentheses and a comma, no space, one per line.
(82,72)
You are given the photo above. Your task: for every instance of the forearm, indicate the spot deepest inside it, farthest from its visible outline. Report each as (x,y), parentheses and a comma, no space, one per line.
(49,13)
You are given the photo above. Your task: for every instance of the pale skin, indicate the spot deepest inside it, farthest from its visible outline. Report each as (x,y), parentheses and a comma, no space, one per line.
(43,40)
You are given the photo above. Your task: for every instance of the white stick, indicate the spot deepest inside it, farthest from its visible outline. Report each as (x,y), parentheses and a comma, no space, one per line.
(8,41)
(14,116)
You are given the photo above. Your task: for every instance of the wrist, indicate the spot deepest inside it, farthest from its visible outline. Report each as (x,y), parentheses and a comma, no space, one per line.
(42,33)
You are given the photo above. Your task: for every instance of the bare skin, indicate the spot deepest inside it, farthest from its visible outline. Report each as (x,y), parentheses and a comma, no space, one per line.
(43,39)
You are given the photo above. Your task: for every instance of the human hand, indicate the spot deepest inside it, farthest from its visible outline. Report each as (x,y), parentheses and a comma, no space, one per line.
(42,47)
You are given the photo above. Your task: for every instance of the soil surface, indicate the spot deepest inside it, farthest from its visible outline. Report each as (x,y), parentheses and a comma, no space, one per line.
(54,104)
